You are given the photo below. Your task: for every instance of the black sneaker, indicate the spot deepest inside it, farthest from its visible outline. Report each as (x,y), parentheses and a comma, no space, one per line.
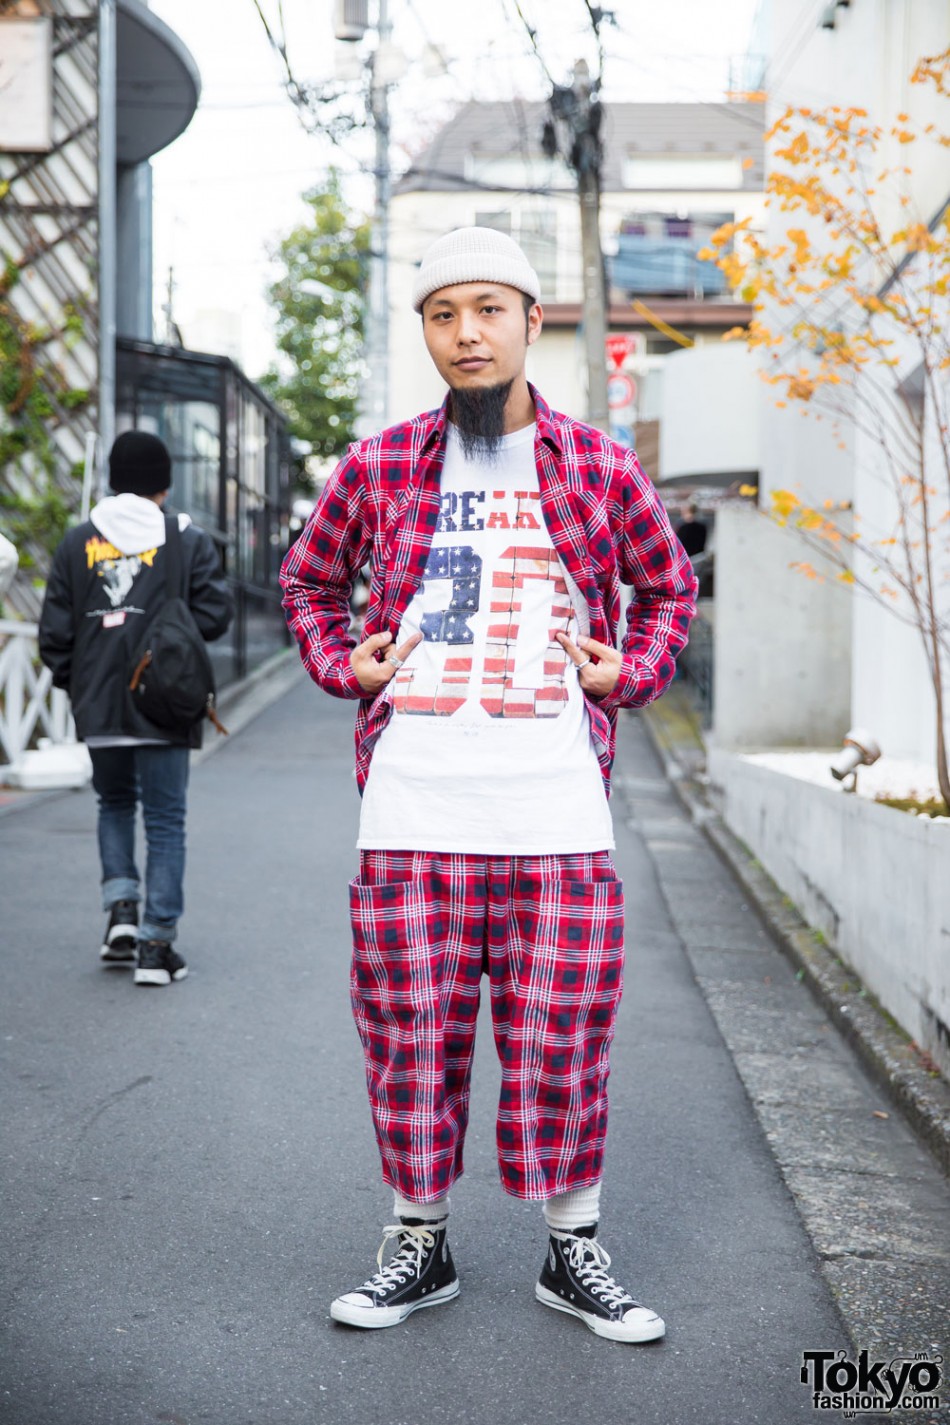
(574,1279)
(421,1273)
(121,937)
(158,964)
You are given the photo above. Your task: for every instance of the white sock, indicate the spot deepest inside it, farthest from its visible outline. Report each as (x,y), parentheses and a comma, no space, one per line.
(424,1211)
(570,1210)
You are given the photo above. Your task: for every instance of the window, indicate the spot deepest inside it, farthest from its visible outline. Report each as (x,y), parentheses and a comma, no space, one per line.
(501,222)
(657,253)
(682,170)
(536,231)
(511,171)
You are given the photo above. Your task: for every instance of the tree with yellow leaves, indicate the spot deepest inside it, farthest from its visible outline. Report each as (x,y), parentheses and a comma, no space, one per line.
(852,321)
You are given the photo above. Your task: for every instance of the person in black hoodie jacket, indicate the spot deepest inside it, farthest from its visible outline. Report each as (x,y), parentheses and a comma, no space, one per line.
(106,583)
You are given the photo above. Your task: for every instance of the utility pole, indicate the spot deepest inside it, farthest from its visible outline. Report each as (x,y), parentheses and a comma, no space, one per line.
(107,234)
(351,22)
(377,404)
(586,157)
(577,108)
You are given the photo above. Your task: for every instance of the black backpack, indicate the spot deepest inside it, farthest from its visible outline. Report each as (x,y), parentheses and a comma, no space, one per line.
(171,677)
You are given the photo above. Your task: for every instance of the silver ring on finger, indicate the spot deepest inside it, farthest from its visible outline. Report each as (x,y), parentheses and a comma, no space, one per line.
(396,662)
(587,660)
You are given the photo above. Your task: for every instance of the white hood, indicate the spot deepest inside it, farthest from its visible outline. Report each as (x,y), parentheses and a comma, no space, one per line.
(132,523)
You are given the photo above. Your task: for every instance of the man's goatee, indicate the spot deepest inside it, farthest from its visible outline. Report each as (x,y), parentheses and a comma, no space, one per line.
(479,415)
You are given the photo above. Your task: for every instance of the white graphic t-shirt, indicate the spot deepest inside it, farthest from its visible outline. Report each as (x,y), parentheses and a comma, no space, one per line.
(488,747)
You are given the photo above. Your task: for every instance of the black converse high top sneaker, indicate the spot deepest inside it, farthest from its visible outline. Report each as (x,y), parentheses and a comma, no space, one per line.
(158,964)
(575,1279)
(121,937)
(421,1273)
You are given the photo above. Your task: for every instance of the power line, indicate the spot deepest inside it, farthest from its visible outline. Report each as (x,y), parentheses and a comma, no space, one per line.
(306,97)
(473,184)
(775,71)
(533,37)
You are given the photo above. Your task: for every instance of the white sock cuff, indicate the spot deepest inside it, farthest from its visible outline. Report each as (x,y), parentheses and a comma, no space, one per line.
(570,1210)
(424,1211)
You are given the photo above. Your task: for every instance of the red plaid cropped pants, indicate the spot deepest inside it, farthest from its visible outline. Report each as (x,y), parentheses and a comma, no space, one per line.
(548,931)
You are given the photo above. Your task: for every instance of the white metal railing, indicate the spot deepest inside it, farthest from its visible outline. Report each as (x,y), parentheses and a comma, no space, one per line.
(29,704)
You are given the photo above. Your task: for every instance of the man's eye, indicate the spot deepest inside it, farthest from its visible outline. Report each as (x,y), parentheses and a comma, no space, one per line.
(491,309)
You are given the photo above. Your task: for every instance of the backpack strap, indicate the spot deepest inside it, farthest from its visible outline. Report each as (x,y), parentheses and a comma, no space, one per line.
(174,570)
(77,579)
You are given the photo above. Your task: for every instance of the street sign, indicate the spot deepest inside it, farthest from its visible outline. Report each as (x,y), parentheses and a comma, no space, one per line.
(621,391)
(623,435)
(620,345)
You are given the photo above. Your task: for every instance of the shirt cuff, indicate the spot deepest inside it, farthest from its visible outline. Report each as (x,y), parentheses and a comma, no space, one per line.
(350,685)
(628,689)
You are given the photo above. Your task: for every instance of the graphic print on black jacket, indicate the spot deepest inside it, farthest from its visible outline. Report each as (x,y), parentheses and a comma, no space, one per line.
(101,597)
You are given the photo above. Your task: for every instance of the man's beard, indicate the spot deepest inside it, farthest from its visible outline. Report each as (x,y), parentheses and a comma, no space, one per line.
(479,416)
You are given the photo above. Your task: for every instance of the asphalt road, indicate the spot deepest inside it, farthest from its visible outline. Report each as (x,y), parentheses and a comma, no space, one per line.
(190,1176)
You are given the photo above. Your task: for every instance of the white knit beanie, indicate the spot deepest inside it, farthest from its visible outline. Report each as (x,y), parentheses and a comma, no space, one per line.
(474,255)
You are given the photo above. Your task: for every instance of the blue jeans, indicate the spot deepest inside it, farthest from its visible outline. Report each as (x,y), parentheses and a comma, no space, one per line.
(157,777)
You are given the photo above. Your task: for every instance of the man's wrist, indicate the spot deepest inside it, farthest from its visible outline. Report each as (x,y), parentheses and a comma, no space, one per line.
(624,691)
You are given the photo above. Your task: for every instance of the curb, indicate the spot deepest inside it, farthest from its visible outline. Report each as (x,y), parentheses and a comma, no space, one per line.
(885,1050)
(242,702)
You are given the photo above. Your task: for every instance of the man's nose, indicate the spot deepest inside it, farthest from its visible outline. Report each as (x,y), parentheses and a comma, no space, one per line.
(468,329)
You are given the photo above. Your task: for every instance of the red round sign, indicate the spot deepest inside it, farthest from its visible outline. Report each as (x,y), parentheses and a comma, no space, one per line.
(621,391)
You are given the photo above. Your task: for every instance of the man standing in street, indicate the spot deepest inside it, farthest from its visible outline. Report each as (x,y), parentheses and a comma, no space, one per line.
(488,684)
(107,581)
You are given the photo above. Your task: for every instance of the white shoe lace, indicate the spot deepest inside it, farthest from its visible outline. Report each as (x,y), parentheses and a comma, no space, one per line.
(590,1262)
(415,1242)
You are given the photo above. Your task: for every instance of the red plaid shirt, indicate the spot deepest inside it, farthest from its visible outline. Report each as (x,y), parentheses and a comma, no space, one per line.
(382,503)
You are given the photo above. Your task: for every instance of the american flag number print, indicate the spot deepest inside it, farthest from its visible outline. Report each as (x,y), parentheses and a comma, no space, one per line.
(513,681)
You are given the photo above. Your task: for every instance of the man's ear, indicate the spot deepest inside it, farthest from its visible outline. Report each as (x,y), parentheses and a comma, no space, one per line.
(535,323)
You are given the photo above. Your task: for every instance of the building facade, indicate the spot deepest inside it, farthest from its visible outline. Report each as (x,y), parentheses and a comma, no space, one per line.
(798,661)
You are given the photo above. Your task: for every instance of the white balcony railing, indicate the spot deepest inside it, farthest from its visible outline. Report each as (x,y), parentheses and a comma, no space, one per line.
(30,707)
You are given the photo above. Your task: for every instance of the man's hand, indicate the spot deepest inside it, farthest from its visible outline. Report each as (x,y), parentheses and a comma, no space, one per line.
(598,666)
(372,674)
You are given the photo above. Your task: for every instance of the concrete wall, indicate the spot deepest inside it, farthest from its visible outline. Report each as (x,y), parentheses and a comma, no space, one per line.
(782,641)
(892,686)
(865,61)
(872,879)
(722,383)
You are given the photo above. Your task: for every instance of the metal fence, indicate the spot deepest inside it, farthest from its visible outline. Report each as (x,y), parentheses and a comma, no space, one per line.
(30,707)
(696,666)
